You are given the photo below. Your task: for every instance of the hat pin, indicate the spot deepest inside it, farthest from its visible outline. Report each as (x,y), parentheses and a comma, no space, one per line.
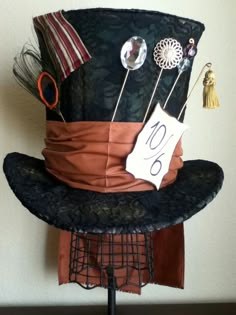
(188,53)
(167,55)
(133,54)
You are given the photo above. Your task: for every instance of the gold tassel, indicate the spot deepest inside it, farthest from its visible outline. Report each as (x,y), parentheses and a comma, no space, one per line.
(210,98)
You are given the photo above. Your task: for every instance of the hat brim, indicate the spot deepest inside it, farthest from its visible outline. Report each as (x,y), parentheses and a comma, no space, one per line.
(79,210)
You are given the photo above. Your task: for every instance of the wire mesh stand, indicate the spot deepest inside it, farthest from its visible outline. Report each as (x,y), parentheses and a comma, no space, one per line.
(112,261)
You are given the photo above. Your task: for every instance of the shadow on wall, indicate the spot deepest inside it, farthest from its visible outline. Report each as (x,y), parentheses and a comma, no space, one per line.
(51,249)
(23,119)
(22,129)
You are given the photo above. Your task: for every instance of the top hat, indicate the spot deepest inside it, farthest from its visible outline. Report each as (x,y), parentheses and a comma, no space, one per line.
(82,184)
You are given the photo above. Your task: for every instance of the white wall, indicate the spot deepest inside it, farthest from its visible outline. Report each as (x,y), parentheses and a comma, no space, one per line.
(28,247)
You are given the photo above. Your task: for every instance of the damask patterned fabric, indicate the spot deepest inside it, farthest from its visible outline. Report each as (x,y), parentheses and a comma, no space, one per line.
(86,211)
(91,92)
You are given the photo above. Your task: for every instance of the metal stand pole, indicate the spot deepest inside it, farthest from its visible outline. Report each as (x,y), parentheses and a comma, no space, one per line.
(111,292)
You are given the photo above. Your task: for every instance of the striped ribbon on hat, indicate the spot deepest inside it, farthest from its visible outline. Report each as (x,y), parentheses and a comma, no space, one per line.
(63,42)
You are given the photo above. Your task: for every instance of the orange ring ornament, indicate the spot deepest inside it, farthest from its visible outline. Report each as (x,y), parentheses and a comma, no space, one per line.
(41,88)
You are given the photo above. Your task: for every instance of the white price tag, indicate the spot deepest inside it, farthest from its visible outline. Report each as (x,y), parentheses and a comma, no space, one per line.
(151,156)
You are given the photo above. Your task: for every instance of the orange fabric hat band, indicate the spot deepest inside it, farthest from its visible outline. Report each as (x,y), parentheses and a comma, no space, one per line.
(91,155)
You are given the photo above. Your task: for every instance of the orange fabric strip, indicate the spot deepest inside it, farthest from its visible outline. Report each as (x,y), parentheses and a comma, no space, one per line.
(168,264)
(91,155)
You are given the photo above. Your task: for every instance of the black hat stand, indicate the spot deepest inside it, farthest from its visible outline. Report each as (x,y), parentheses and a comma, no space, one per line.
(111,305)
